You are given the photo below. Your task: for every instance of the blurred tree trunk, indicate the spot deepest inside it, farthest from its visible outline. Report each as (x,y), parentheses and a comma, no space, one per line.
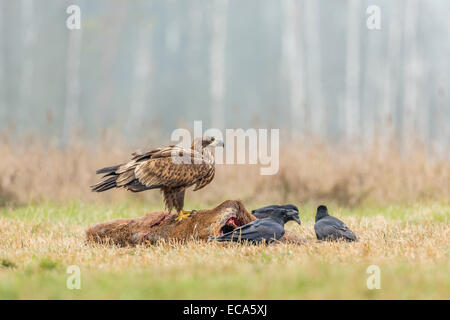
(73,61)
(26,72)
(113,25)
(314,72)
(217,62)
(352,81)
(172,32)
(372,86)
(293,65)
(3,107)
(390,78)
(194,54)
(141,81)
(412,75)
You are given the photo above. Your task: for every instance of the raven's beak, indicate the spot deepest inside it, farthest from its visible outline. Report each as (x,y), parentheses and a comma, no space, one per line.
(295,217)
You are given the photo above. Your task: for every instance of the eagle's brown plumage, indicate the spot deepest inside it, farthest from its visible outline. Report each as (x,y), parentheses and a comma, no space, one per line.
(171,169)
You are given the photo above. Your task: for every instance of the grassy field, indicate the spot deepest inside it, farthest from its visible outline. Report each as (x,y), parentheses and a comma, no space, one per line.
(409,243)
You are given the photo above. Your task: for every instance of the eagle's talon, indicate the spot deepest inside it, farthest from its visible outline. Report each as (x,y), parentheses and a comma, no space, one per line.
(183,214)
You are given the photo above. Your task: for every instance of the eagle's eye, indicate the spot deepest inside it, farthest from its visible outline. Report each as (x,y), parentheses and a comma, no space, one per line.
(212,139)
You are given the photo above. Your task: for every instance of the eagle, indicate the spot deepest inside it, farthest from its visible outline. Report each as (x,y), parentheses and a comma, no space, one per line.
(171,169)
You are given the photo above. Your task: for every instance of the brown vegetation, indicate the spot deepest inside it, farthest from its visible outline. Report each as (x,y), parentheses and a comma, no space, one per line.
(308,172)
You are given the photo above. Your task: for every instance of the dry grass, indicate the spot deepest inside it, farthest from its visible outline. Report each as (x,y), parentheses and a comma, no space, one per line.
(409,243)
(398,204)
(308,172)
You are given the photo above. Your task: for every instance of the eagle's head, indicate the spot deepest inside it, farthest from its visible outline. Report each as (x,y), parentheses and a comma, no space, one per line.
(206,142)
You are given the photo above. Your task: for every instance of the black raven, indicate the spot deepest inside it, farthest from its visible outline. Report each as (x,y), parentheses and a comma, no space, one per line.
(331,228)
(264,230)
(265,212)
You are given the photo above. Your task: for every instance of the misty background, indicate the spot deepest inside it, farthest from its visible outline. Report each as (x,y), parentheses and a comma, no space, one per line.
(310,68)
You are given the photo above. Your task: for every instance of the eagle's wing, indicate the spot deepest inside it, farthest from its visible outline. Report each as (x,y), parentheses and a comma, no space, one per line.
(143,154)
(166,167)
(156,168)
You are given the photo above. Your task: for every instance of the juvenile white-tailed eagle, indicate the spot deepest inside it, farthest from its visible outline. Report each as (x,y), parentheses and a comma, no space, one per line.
(172,170)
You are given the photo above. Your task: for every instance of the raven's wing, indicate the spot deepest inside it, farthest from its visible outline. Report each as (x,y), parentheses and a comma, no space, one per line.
(256,231)
(331,228)
(264,212)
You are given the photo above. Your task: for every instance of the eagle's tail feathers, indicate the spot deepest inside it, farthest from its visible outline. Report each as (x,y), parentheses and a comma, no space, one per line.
(104,185)
(108,170)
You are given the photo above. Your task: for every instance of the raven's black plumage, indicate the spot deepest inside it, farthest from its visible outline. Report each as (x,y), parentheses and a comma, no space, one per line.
(265,212)
(331,228)
(264,230)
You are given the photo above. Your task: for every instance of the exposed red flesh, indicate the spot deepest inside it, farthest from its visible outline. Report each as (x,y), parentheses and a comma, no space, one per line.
(232,222)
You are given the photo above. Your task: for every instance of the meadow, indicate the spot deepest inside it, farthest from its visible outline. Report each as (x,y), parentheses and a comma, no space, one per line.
(409,243)
(399,206)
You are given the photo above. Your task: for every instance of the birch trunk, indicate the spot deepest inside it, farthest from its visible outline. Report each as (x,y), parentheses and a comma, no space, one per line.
(26,73)
(111,43)
(141,80)
(391,79)
(293,65)
(194,53)
(312,41)
(3,108)
(72,83)
(217,62)
(372,89)
(352,108)
(412,73)
(172,36)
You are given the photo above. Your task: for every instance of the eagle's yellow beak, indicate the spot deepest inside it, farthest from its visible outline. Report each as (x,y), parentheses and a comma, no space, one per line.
(216,143)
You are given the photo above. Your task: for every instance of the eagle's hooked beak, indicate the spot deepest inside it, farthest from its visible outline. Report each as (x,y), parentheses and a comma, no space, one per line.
(216,143)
